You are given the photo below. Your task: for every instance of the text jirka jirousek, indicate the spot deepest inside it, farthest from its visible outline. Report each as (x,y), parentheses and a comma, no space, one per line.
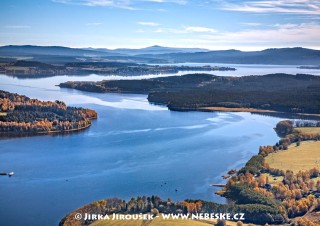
(171,216)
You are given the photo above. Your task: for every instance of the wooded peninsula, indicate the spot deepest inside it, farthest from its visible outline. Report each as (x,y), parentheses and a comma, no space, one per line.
(23,116)
(296,94)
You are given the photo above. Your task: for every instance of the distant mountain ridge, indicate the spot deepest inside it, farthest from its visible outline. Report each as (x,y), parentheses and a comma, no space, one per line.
(160,50)
(24,50)
(159,54)
(151,50)
(290,56)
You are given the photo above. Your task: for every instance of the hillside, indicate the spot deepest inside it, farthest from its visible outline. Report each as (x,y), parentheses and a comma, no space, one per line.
(27,50)
(282,56)
(159,50)
(158,54)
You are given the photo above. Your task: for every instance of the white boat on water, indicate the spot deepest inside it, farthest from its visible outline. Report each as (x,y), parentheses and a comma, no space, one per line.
(10,174)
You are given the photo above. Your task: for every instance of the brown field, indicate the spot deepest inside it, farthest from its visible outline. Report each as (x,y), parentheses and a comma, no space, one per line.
(158,222)
(234,109)
(306,114)
(18,68)
(155,222)
(117,223)
(308,130)
(273,179)
(303,157)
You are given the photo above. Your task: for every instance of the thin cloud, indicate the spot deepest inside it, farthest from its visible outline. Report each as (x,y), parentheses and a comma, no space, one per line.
(109,3)
(305,34)
(280,35)
(275,6)
(251,24)
(151,24)
(200,29)
(17,26)
(185,30)
(180,2)
(123,4)
(93,24)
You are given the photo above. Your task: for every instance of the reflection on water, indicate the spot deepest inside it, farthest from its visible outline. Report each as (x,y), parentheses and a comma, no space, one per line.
(256,69)
(241,70)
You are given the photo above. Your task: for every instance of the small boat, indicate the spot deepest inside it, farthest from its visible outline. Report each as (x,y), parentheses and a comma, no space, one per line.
(10,174)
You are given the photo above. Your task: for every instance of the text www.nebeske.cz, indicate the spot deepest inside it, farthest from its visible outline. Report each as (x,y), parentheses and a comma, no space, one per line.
(188,216)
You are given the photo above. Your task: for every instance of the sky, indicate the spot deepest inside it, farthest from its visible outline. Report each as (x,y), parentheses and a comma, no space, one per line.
(212,24)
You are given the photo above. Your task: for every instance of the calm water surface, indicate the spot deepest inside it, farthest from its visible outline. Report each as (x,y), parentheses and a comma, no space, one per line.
(134,148)
(255,69)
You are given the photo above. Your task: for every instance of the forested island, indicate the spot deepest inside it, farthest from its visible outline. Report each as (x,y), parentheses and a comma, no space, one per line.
(35,69)
(309,67)
(265,191)
(23,116)
(298,94)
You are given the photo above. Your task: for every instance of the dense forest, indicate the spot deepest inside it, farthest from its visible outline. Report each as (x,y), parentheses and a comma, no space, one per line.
(20,115)
(254,213)
(35,69)
(273,92)
(284,56)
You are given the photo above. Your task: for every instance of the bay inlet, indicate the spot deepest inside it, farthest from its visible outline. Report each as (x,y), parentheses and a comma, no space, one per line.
(133,149)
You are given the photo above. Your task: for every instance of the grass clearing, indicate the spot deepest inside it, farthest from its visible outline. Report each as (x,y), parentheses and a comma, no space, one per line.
(273,179)
(308,130)
(225,109)
(303,157)
(155,222)
(18,68)
(117,223)
(159,221)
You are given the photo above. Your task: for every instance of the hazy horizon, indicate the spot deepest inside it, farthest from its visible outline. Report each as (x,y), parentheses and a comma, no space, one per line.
(143,47)
(214,24)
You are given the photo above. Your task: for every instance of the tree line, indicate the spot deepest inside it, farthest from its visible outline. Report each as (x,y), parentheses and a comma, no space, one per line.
(22,115)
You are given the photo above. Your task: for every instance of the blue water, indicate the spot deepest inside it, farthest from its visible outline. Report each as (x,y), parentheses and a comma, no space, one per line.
(134,148)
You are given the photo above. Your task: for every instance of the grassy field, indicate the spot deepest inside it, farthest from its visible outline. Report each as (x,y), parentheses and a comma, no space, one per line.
(225,109)
(18,68)
(309,130)
(117,223)
(157,222)
(273,179)
(303,157)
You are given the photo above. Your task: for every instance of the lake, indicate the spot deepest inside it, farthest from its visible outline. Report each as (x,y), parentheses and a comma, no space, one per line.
(133,149)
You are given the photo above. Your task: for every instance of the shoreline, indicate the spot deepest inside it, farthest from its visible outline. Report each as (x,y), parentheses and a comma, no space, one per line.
(206,92)
(272,113)
(221,192)
(23,116)
(251,110)
(51,132)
